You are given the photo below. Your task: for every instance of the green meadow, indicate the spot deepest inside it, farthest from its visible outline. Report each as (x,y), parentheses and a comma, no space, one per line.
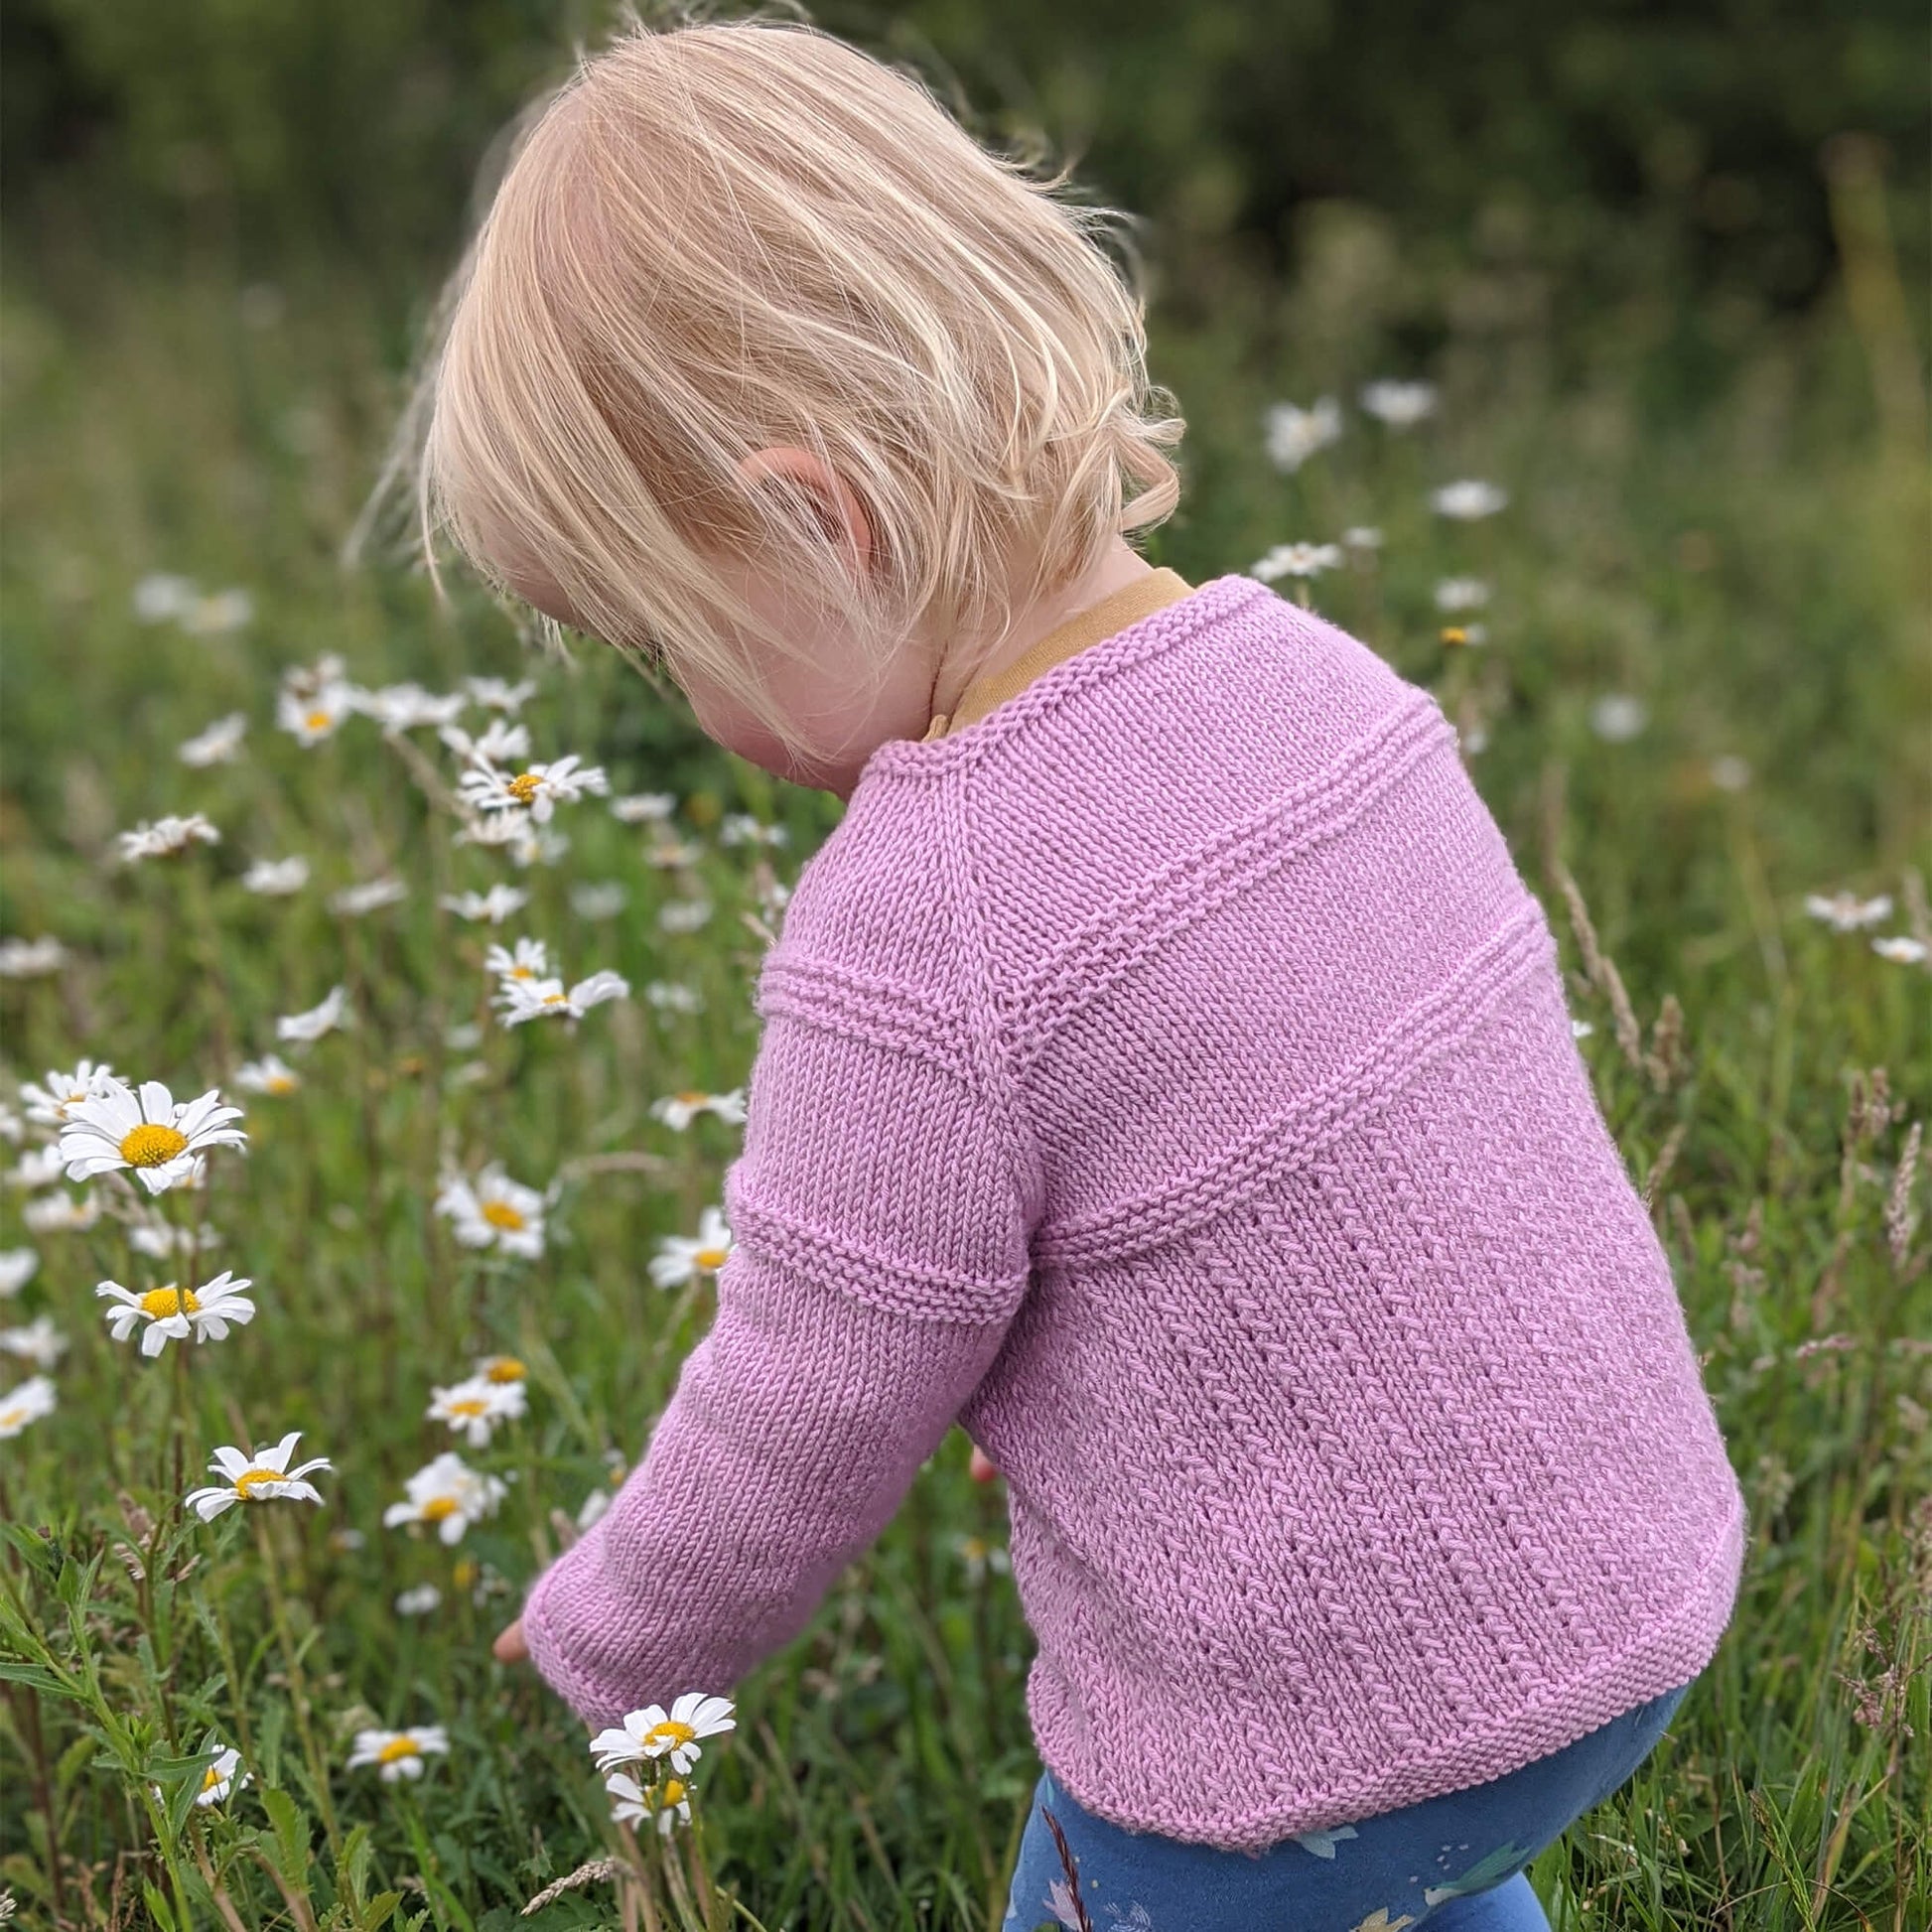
(1693,685)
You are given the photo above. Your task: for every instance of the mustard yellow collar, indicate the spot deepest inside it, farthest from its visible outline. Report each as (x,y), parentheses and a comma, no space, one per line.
(1111,615)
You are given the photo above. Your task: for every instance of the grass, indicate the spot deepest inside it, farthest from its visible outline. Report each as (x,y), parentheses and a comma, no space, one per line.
(1748,565)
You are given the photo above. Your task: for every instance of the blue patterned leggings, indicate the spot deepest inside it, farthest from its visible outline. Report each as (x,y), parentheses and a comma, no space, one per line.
(1454,1862)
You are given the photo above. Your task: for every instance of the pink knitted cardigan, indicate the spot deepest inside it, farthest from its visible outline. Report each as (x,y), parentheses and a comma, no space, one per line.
(1168,1077)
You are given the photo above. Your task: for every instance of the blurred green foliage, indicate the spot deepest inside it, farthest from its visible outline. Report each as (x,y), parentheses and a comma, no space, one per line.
(1674,143)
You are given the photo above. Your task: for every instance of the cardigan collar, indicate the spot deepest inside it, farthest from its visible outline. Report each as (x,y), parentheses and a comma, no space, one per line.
(1111,615)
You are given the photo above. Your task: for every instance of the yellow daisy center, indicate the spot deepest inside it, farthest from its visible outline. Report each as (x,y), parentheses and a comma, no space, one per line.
(470,1404)
(1454,633)
(210,1778)
(398,1748)
(505,1368)
(281,1083)
(151,1144)
(438,1507)
(13,1416)
(161,1302)
(500,1215)
(556,1000)
(670,1733)
(525,786)
(246,1481)
(320,721)
(671,1794)
(711,1257)
(694,1099)
(465,1574)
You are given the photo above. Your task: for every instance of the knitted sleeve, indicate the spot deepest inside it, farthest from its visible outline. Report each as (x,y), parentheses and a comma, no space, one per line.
(879,1253)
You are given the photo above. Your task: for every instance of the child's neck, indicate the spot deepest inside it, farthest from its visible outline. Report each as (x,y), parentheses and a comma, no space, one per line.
(1119,565)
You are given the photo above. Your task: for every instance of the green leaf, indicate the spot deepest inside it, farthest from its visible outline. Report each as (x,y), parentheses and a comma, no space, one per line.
(37,1679)
(34,1546)
(290,1851)
(158,1908)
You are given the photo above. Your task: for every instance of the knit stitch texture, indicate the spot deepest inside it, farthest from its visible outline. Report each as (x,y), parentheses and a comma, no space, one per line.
(1168,1077)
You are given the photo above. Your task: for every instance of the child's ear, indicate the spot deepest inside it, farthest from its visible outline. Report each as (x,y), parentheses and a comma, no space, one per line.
(833,502)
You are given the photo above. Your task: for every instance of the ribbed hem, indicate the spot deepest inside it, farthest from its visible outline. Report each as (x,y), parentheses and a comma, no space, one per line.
(591,1704)
(1669,1653)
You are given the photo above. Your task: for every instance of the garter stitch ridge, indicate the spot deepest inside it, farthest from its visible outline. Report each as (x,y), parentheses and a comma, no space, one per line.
(1168,1077)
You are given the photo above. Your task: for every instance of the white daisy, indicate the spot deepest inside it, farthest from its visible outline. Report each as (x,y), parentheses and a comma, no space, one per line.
(403,707)
(12,1127)
(171,1312)
(447,1493)
(547,999)
(1581,1029)
(218,744)
(115,1127)
(327,1018)
(256,1479)
(1618,718)
(680,1109)
(538,789)
(210,617)
(1361,536)
(1467,500)
(669,855)
(160,1239)
(277,878)
(1901,949)
(353,901)
(1846,912)
(1294,435)
(51,1104)
(1322,1844)
(1401,405)
(39,1166)
(418,1601)
(742,828)
(599,898)
(673,996)
(168,837)
(17,1267)
(1295,560)
(501,1368)
(495,905)
(527,962)
(683,914)
(310,715)
(644,808)
(1462,593)
(475,1407)
(221,1778)
(32,1400)
(496,694)
(493,1212)
(654,1733)
(679,1259)
(500,743)
(399,1754)
(595,1504)
(161,595)
(60,1215)
(269,1074)
(669,1803)
(502,829)
(39,1342)
(28,960)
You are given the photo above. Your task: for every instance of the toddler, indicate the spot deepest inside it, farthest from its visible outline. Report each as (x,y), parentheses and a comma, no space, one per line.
(1165,1073)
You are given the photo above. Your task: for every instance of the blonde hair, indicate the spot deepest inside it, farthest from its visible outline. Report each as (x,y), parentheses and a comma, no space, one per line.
(724,235)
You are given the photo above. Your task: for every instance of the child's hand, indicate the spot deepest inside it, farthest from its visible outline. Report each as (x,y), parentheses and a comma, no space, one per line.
(981,1468)
(509,1647)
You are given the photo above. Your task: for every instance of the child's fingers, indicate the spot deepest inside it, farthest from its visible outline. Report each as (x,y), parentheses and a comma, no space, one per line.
(509,1647)
(982,1467)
